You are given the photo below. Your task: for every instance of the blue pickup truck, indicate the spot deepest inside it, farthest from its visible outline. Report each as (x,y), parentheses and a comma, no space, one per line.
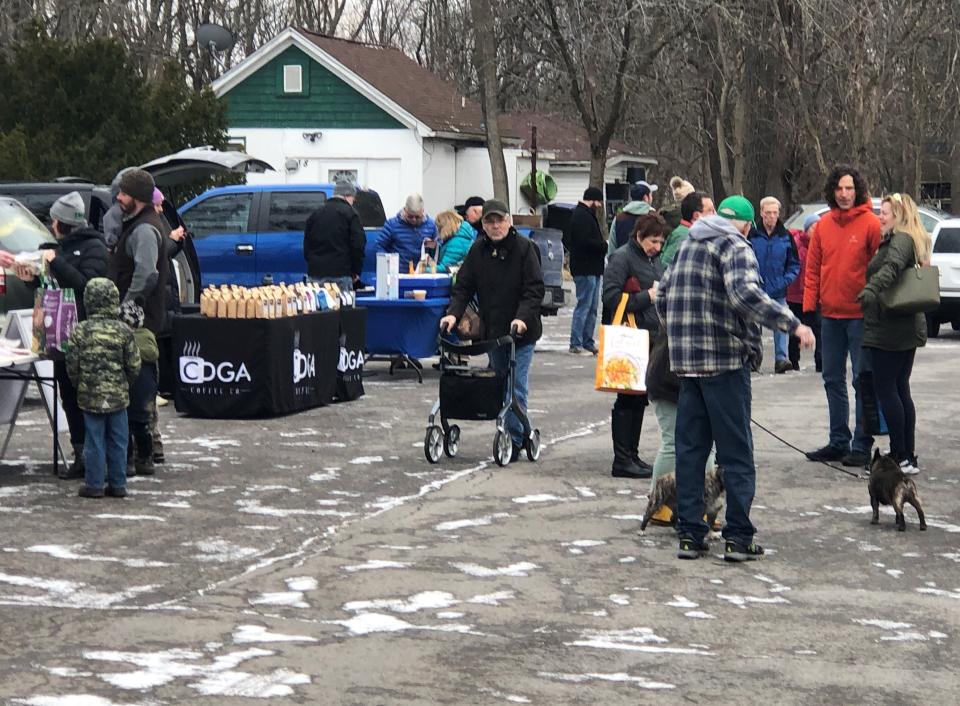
(242,234)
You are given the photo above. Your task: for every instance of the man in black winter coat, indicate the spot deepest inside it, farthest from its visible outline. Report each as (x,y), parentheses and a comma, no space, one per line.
(502,270)
(334,241)
(79,256)
(588,250)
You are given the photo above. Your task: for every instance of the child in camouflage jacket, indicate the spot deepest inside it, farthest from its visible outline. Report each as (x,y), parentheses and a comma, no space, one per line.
(102,362)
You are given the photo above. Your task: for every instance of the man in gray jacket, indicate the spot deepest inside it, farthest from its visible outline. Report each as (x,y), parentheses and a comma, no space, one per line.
(139,264)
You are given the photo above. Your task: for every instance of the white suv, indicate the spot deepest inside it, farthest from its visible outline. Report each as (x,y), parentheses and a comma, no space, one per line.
(946,256)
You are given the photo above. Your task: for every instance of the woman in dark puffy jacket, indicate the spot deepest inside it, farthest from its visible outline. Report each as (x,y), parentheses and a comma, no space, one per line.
(633,270)
(893,338)
(80,255)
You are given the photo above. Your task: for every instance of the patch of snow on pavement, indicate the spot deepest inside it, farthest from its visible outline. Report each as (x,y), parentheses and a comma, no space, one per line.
(476,522)
(521,568)
(375,564)
(257,633)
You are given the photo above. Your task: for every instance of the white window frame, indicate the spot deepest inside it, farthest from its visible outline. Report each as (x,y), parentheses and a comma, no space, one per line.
(289,76)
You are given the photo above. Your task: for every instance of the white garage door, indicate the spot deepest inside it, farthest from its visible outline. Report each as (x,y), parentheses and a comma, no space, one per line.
(570,184)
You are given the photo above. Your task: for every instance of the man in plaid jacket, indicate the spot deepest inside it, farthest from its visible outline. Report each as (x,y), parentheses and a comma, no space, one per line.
(714,305)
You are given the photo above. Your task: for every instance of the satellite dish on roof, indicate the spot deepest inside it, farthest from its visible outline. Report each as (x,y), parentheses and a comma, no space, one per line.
(214,37)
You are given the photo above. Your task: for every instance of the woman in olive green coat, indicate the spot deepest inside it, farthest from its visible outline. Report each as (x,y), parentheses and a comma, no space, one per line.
(893,338)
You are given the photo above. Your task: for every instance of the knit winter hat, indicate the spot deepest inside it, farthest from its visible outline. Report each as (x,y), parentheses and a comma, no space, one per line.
(473,201)
(736,208)
(344,188)
(157,197)
(809,221)
(138,184)
(681,188)
(69,210)
(131,314)
(593,193)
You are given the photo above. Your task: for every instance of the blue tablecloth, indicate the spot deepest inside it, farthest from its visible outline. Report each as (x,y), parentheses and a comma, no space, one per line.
(403,326)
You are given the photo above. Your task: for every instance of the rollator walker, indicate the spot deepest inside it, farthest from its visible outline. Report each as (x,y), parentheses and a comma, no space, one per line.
(477,394)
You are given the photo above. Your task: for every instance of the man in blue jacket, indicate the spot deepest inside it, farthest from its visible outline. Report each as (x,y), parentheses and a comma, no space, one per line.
(407,232)
(779,265)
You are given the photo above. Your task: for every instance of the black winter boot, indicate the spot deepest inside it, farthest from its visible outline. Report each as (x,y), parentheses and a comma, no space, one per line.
(621,431)
(636,426)
(75,469)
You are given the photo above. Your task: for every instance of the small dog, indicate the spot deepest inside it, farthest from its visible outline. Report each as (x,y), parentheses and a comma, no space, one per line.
(665,493)
(889,486)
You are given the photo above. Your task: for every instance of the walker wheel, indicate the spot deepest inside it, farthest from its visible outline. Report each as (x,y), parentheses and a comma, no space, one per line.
(451,441)
(502,448)
(433,444)
(532,446)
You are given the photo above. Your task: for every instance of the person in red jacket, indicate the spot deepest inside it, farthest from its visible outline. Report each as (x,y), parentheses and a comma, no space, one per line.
(801,239)
(841,246)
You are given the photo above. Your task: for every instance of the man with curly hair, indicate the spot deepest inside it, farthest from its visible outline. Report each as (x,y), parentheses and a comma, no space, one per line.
(842,244)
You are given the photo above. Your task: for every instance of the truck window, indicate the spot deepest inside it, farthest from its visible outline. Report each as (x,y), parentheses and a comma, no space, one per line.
(226,213)
(289,210)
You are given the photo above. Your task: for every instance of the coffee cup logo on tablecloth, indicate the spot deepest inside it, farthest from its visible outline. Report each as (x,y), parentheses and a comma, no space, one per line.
(194,370)
(304,364)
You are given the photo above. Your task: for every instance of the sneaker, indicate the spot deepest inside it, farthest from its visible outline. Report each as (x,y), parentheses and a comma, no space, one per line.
(908,468)
(592,350)
(162,401)
(88,492)
(580,351)
(827,453)
(736,551)
(145,467)
(858,459)
(515,453)
(692,549)
(782,366)
(112,492)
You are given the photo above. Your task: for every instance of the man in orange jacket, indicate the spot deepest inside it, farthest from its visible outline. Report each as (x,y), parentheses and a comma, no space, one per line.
(842,244)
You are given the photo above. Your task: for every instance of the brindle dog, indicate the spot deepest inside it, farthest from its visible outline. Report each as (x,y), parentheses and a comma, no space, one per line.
(889,486)
(665,493)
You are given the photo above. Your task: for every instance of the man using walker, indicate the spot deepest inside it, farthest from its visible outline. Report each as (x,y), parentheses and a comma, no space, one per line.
(502,270)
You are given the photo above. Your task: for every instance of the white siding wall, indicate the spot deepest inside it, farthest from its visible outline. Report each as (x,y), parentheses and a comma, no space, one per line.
(439,176)
(570,183)
(475,178)
(388,161)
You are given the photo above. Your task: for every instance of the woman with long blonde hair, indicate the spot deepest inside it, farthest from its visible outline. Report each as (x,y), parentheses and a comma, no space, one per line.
(893,338)
(455,237)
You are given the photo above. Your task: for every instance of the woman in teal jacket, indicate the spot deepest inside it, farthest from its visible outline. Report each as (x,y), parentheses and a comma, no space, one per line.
(456,237)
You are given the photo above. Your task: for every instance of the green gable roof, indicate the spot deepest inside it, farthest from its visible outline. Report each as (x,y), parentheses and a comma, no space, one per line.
(326,101)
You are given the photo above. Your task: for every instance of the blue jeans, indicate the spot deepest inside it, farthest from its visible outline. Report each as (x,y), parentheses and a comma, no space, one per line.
(712,410)
(781,339)
(500,361)
(843,337)
(585,314)
(105,449)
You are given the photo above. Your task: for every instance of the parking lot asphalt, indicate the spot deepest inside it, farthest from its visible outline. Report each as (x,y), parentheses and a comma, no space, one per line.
(319,559)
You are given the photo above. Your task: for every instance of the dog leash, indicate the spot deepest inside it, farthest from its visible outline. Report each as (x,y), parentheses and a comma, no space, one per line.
(783,441)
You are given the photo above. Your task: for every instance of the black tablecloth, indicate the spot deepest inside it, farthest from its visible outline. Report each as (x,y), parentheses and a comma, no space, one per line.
(239,368)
